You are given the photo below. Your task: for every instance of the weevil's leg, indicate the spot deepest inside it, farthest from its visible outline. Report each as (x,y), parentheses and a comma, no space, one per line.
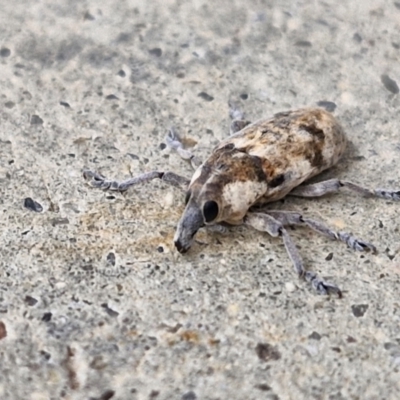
(237,125)
(237,116)
(218,228)
(334,185)
(97,180)
(235,112)
(267,223)
(293,218)
(175,142)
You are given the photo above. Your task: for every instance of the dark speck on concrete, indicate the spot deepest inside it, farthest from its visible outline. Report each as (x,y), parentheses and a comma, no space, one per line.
(357,37)
(156,52)
(121,73)
(112,97)
(329,257)
(267,352)
(359,310)
(46,356)
(4,52)
(32,205)
(124,37)
(389,254)
(389,84)
(47,317)
(64,104)
(244,96)
(350,339)
(205,96)
(315,335)
(328,105)
(264,387)
(9,104)
(107,395)
(59,221)
(88,16)
(391,346)
(110,311)
(162,146)
(160,249)
(31,301)
(3,330)
(189,396)
(153,394)
(111,258)
(303,43)
(36,120)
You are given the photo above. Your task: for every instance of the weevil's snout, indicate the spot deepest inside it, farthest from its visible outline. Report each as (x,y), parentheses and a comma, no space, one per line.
(180,246)
(190,222)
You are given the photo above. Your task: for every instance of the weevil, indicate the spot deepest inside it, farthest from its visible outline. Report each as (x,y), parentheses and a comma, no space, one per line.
(260,163)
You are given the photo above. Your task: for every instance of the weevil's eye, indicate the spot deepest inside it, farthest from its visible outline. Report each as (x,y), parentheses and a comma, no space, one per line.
(187,197)
(210,210)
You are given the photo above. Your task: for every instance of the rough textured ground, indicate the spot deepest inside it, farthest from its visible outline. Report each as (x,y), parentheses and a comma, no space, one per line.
(95,303)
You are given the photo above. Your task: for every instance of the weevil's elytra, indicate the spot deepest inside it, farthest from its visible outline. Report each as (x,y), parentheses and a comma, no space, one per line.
(266,160)
(259,164)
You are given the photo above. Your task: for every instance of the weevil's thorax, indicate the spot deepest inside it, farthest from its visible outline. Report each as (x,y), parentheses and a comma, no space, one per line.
(231,178)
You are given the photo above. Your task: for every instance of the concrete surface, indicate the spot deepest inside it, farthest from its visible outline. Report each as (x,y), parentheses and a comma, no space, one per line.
(95,303)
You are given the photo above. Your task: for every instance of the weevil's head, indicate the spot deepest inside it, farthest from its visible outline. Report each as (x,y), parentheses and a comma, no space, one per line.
(198,213)
(221,190)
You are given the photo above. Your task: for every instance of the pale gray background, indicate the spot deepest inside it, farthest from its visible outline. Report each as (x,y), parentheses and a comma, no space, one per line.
(90,308)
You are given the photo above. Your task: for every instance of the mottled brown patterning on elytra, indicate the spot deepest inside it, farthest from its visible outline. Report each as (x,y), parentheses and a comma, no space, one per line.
(259,164)
(266,160)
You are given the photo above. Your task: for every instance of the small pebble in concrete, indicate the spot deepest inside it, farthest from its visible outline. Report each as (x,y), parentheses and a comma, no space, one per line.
(389,84)
(359,310)
(328,105)
(205,96)
(4,52)
(32,205)
(189,396)
(156,52)
(3,330)
(31,301)
(267,352)
(36,120)
(329,257)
